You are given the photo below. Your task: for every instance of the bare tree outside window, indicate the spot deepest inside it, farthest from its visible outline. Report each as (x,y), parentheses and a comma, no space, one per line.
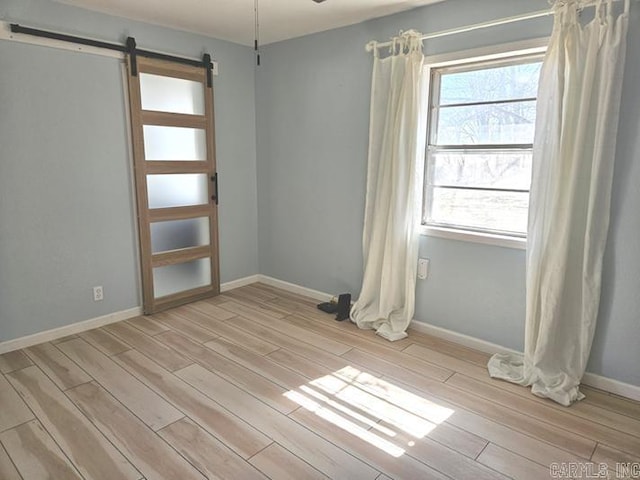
(481,131)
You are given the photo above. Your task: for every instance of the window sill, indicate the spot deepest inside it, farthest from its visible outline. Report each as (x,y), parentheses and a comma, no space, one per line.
(474,237)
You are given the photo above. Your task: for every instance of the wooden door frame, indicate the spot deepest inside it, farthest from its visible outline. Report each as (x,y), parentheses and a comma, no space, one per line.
(142,168)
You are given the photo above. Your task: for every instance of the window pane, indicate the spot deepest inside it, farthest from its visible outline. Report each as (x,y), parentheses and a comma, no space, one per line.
(179,190)
(497,211)
(169,94)
(174,234)
(498,123)
(507,169)
(174,143)
(180,277)
(498,83)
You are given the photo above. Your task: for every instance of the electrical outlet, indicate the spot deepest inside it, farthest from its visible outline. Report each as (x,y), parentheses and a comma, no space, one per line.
(423,268)
(98,294)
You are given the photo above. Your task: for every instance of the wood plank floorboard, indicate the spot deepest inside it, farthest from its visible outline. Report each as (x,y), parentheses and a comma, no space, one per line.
(92,454)
(278,462)
(250,311)
(298,364)
(258,304)
(185,326)
(208,454)
(396,399)
(155,459)
(236,433)
(421,366)
(299,308)
(516,420)
(57,366)
(35,454)
(148,325)
(283,294)
(15,360)
(382,455)
(324,330)
(589,411)
(615,460)
(228,331)
(250,381)
(512,464)
(208,308)
(580,426)
(298,347)
(328,320)
(147,405)
(168,358)
(266,367)
(257,383)
(13,410)
(64,339)
(321,341)
(7,468)
(104,341)
(525,445)
(425,450)
(450,436)
(309,446)
(253,293)
(611,402)
(449,348)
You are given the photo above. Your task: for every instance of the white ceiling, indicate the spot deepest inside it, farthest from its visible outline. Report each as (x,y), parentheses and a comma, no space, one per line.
(233,20)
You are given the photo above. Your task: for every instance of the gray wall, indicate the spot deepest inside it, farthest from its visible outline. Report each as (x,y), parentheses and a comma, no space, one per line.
(66,206)
(312,111)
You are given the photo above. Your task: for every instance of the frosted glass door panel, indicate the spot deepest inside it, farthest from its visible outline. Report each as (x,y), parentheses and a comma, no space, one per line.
(175,234)
(169,94)
(181,277)
(174,143)
(177,190)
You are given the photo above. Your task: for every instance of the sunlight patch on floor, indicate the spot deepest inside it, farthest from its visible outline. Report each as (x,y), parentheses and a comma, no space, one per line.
(370,408)
(398,396)
(352,413)
(345,424)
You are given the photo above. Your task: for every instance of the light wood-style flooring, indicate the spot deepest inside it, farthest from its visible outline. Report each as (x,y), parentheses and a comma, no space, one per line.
(258,383)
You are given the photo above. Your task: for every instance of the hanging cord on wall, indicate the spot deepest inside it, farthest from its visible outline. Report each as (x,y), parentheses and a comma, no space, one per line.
(256,31)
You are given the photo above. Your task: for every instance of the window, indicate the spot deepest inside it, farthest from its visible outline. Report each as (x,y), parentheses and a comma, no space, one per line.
(479,154)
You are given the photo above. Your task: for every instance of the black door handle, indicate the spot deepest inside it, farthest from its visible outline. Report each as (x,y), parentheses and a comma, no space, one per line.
(215,197)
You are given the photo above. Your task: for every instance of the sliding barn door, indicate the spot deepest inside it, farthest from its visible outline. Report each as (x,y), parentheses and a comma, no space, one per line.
(176,182)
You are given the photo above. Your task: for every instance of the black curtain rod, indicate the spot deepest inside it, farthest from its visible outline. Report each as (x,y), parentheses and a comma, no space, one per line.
(129,48)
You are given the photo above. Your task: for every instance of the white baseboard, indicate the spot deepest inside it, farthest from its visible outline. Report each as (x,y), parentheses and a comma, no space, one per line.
(71,329)
(240,282)
(293,288)
(591,379)
(612,386)
(460,338)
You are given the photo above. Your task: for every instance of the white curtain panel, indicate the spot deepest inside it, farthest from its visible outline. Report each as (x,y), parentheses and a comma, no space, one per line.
(392,212)
(573,156)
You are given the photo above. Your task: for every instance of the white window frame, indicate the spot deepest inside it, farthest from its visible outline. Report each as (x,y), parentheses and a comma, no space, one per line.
(485,54)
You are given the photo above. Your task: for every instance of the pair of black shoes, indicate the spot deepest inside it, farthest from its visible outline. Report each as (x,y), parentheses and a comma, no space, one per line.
(341,309)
